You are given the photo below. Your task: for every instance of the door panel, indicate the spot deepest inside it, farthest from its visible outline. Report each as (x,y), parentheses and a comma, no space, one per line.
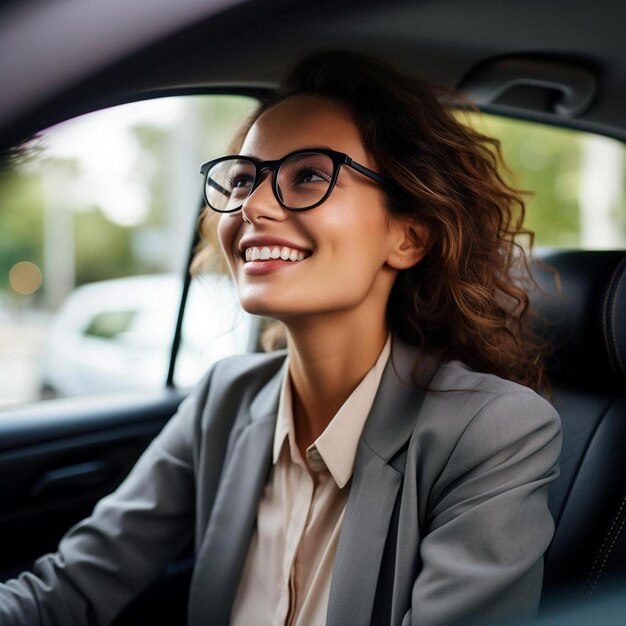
(57,459)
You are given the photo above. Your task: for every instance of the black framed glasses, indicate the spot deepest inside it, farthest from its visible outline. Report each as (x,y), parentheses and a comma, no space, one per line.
(301,180)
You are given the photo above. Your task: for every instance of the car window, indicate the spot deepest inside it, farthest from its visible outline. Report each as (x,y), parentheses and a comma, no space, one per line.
(96,216)
(576,180)
(96,220)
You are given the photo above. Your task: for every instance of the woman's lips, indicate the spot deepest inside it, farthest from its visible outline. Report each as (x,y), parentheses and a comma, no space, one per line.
(257,268)
(265,255)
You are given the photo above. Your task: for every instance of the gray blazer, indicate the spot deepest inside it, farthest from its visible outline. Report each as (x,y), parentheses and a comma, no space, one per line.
(446,521)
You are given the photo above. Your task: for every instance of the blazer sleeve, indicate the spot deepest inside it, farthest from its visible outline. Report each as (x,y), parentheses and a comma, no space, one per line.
(108,558)
(489,523)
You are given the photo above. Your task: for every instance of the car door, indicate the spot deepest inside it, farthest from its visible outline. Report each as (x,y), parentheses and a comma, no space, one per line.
(95,352)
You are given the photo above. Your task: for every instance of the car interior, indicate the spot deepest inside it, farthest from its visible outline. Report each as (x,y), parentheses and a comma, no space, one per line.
(560,63)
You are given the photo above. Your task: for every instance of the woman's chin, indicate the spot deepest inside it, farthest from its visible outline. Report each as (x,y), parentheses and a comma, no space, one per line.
(261,306)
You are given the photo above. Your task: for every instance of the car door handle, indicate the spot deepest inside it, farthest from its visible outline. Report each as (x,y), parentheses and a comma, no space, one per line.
(70,480)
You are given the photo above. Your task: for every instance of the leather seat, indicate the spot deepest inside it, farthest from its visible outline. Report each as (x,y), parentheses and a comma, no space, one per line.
(586,322)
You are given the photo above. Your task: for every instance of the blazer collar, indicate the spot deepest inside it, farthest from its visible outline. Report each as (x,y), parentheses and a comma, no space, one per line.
(265,403)
(406,366)
(392,417)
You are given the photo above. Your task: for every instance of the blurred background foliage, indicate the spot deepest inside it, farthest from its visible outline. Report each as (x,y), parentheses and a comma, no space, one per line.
(102,248)
(546,162)
(21,220)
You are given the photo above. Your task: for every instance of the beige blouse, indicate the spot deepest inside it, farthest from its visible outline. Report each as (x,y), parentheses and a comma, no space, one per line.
(287,573)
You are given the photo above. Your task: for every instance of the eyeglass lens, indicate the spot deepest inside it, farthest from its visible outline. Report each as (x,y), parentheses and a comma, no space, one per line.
(302,181)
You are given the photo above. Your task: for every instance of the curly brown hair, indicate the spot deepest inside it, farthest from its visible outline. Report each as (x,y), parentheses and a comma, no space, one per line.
(467,299)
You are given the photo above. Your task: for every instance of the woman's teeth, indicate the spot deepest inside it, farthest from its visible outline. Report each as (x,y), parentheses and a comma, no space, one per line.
(267,253)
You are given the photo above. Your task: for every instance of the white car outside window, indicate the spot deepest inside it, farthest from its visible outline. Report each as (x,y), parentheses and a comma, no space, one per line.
(117,334)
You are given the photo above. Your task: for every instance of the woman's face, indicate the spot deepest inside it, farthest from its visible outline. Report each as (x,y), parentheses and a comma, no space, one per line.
(347,242)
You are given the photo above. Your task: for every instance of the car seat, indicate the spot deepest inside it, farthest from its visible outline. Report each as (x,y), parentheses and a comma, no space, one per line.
(586,323)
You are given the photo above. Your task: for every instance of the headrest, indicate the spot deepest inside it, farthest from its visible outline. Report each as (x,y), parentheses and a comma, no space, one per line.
(585,320)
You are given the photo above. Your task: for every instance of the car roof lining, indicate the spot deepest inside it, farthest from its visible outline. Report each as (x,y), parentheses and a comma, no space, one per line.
(441,40)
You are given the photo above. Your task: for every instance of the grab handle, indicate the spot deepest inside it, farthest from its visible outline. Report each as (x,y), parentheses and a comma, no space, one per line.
(576,86)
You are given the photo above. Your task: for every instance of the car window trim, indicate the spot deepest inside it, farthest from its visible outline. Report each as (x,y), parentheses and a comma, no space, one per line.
(260,94)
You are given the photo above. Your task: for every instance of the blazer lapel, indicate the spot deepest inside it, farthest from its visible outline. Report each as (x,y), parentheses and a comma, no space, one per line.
(361,541)
(222,554)
(374,488)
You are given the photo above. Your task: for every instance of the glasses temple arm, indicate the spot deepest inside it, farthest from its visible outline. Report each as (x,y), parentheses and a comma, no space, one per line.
(367,172)
(213,183)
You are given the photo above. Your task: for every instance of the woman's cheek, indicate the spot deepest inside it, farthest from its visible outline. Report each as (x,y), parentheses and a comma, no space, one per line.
(226,231)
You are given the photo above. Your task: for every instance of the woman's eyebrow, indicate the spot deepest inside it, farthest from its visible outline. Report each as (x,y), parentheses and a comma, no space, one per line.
(312,148)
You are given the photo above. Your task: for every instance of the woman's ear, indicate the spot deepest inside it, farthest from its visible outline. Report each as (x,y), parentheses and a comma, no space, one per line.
(410,244)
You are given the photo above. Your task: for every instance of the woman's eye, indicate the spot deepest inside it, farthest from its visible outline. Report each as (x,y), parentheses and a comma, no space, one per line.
(240,182)
(309,175)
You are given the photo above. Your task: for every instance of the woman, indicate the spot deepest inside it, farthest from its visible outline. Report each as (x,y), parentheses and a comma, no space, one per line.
(392,466)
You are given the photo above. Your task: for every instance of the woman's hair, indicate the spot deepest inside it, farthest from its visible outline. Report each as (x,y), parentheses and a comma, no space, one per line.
(465,300)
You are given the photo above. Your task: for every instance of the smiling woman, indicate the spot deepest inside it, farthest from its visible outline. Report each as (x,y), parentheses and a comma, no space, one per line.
(344,243)
(389,467)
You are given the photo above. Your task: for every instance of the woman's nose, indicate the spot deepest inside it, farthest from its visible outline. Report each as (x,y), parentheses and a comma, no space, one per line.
(262,203)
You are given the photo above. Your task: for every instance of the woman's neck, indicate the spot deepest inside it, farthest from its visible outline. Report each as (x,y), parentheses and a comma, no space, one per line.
(328,359)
